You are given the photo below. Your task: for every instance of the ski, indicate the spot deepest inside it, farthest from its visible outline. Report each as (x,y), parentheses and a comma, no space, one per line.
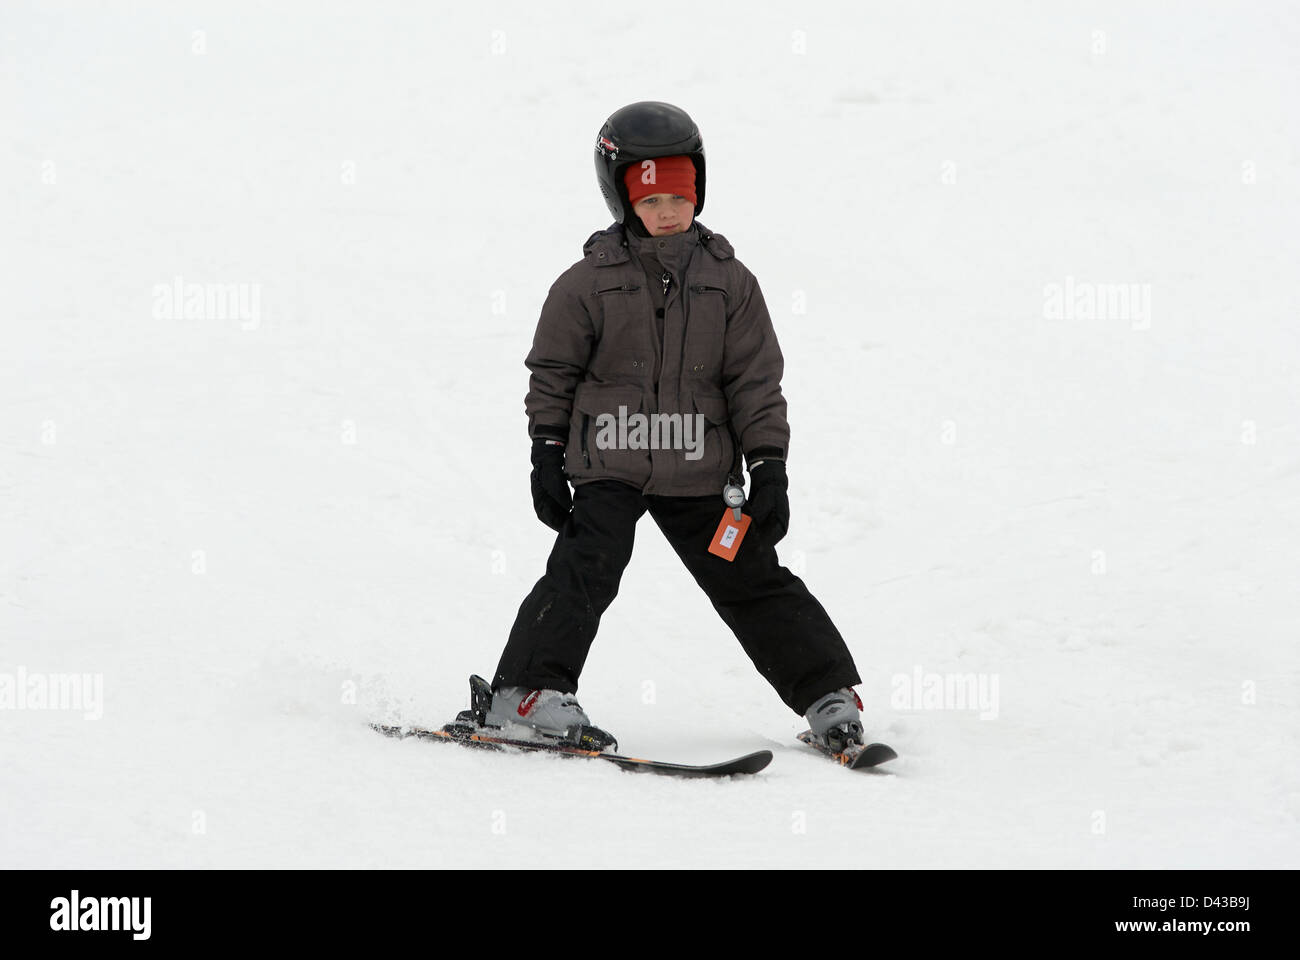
(855,756)
(473,736)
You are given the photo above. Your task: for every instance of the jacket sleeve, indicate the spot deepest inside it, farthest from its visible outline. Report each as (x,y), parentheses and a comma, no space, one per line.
(557,361)
(752,366)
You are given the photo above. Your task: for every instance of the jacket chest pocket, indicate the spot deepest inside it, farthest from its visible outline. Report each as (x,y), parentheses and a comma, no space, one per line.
(619,304)
(706,331)
(623,346)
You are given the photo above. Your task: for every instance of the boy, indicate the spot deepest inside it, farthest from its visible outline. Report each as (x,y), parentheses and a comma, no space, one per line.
(659,318)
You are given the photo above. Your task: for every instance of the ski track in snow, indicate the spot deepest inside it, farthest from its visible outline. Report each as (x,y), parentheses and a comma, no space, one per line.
(264,537)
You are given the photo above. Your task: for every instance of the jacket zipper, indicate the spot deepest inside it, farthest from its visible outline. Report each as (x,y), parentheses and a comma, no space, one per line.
(705,288)
(586,457)
(624,288)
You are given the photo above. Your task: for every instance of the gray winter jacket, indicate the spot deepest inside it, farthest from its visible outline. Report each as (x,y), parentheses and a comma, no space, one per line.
(602,344)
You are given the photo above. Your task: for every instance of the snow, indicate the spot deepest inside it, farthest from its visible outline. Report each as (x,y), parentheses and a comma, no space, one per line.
(262,533)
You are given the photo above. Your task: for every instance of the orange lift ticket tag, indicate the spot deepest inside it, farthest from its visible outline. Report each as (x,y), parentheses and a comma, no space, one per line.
(730,532)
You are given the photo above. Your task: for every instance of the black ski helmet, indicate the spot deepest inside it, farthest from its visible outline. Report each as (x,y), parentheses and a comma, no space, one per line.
(643,131)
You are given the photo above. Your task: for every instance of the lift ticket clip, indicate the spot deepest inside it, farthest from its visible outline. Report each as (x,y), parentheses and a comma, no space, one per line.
(730,532)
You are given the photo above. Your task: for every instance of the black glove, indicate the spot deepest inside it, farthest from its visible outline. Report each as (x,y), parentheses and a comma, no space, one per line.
(551,497)
(768,503)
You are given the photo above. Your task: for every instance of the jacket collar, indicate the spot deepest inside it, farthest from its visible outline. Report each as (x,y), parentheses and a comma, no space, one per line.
(609,246)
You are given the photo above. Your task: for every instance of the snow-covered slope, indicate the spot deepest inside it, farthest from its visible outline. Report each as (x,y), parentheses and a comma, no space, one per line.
(260,530)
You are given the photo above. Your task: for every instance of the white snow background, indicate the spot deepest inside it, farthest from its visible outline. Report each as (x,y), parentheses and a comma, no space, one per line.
(263,532)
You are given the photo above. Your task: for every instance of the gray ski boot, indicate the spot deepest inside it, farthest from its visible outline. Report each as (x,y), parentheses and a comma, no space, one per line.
(543,715)
(835,719)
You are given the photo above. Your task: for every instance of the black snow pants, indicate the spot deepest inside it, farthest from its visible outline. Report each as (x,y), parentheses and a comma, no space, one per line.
(780,625)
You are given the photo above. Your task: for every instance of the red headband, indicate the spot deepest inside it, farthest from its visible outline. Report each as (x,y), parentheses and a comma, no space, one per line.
(667,175)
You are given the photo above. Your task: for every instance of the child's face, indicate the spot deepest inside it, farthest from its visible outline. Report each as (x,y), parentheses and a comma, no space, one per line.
(665,213)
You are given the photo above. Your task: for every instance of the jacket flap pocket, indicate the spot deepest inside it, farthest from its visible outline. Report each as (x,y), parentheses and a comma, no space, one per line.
(712,405)
(598,398)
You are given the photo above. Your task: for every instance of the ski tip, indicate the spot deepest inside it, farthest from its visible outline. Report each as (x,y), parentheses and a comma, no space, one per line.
(750,763)
(754,762)
(872,755)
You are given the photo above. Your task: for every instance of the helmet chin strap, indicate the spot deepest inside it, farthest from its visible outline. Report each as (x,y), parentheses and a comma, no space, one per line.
(634,224)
